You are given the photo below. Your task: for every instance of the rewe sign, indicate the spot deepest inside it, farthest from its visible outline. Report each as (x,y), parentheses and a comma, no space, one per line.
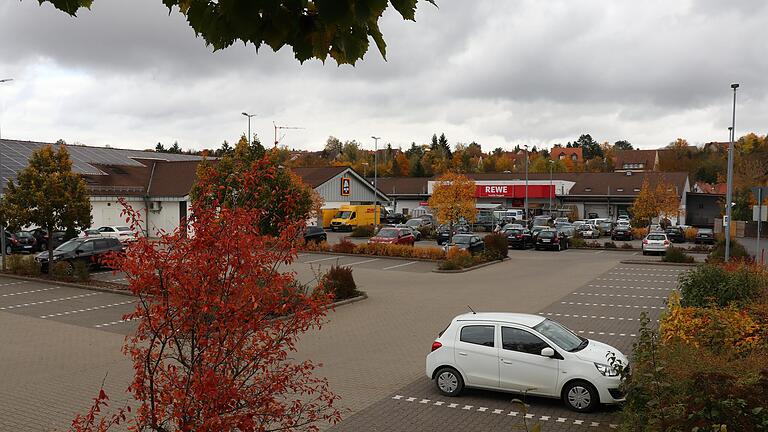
(495,191)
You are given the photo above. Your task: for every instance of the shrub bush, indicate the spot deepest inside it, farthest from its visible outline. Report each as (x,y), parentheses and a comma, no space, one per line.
(23,265)
(62,270)
(458,259)
(338,281)
(80,271)
(639,233)
(433,253)
(496,246)
(737,251)
(718,285)
(312,246)
(626,245)
(427,233)
(699,248)
(690,234)
(593,244)
(609,245)
(677,255)
(578,242)
(344,246)
(362,231)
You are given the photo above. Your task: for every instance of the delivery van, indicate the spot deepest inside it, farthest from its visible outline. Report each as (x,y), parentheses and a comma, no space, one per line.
(327,216)
(350,216)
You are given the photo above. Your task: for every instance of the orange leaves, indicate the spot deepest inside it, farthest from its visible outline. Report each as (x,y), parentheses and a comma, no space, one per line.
(453,198)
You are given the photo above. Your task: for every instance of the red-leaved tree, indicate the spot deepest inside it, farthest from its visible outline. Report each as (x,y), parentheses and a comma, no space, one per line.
(217,319)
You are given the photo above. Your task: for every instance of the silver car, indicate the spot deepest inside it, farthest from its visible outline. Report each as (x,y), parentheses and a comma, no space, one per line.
(588,231)
(655,242)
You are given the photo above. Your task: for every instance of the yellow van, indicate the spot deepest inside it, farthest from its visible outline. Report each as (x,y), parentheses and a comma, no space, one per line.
(350,216)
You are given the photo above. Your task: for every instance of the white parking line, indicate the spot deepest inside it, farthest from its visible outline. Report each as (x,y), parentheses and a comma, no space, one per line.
(86,309)
(48,301)
(113,323)
(486,410)
(637,280)
(321,259)
(362,262)
(592,317)
(13,283)
(619,295)
(29,292)
(631,287)
(399,265)
(606,334)
(612,305)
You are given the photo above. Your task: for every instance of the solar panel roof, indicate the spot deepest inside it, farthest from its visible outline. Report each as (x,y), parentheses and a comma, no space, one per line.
(15,155)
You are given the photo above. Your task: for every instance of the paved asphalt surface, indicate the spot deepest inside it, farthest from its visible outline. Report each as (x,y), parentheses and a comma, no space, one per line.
(60,342)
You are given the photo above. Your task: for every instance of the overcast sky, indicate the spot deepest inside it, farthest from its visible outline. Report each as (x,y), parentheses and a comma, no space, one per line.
(503,72)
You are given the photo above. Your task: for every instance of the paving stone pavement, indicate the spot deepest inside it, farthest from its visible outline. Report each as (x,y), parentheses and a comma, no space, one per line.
(605,311)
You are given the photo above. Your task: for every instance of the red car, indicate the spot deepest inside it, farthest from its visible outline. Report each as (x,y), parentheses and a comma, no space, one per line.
(401,236)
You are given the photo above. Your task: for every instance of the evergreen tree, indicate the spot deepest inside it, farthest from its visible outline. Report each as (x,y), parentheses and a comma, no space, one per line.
(160,148)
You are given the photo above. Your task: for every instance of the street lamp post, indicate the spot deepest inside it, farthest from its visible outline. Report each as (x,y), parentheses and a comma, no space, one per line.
(526,184)
(2,191)
(365,171)
(249,125)
(375,177)
(551,168)
(729,193)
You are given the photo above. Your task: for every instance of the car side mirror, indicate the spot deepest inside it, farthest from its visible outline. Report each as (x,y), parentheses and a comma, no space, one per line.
(548,352)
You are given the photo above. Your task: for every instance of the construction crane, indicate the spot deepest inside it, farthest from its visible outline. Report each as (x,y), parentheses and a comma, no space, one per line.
(277,141)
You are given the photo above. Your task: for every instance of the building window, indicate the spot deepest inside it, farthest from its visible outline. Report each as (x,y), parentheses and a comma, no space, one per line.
(640,165)
(587,189)
(619,189)
(637,189)
(562,156)
(574,157)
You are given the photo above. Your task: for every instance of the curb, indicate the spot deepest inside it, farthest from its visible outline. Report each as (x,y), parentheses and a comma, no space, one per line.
(367,255)
(68,284)
(464,270)
(631,250)
(661,263)
(363,295)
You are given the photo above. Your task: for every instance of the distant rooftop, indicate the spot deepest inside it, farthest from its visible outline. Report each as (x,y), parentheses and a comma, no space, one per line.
(85,159)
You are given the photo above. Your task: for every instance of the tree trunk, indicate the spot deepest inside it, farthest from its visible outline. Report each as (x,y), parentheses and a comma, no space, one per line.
(50,248)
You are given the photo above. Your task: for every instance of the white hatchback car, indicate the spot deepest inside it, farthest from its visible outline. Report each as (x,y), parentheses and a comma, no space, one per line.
(524,353)
(656,242)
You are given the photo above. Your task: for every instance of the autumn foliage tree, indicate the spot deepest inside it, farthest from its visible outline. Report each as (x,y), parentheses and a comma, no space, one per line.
(217,319)
(48,194)
(453,199)
(660,200)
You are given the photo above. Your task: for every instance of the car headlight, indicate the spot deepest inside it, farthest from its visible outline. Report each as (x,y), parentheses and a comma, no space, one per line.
(607,370)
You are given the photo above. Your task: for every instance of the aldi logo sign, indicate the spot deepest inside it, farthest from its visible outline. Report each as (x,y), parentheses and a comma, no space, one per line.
(346,186)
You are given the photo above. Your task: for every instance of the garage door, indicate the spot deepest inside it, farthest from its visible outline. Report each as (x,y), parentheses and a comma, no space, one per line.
(600,209)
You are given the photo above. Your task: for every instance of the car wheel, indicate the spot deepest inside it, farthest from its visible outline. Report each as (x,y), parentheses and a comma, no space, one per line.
(43,247)
(581,396)
(449,381)
(559,247)
(8,250)
(645,253)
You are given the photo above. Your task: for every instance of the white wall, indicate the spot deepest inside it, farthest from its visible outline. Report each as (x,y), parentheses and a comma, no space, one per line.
(106,211)
(406,204)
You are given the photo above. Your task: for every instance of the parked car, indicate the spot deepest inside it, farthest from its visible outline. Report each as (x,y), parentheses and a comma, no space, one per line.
(623,222)
(122,233)
(705,236)
(550,238)
(588,231)
(536,230)
(42,238)
(655,242)
(87,250)
(468,242)
(622,232)
(566,229)
(519,238)
(622,217)
(543,221)
(578,223)
(605,226)
(416,233)
(401,236)
(388,217)
(417,223)
(518,353)
(315,234)
(444,232)
(562,220)
(21,241)
(675,234)
(89,233)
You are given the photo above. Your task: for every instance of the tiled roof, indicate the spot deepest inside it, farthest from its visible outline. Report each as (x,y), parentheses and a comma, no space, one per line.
(315,176)
(404,185)
(555,153)
(645,157)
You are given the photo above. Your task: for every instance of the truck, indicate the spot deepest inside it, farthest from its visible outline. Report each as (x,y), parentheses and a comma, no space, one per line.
(350,216)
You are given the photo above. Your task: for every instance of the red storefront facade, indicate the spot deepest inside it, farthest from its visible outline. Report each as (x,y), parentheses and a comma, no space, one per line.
(515,191)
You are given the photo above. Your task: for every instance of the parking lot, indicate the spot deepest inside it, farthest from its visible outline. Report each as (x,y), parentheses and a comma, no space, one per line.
(606,308)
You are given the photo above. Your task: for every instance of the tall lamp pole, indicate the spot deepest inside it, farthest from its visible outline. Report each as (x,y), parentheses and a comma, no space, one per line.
(2,190)
(249,125)
(551,189)
(376,177)
(729,193)
(526,184)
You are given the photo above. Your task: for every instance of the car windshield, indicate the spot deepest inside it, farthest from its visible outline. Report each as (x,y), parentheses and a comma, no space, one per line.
(69,246)
(23,234)
(388,233)
(584,227)
(513,231)
(560,335)
(546,234)
(657,237)
(343,214)
(415,223)
(460,239)
(705,231)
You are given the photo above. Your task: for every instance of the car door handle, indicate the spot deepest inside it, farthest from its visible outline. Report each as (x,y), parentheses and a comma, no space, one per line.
(462,353)
(506,361)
